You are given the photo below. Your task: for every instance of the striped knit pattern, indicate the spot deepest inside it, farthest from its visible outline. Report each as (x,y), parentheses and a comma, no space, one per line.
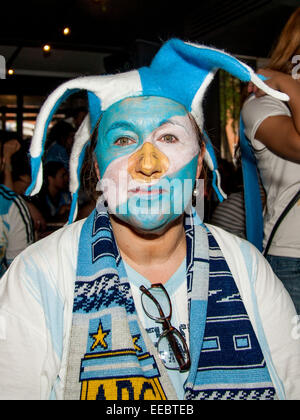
(231,364)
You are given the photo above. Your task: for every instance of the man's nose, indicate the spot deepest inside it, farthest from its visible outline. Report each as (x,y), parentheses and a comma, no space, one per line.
(147,163)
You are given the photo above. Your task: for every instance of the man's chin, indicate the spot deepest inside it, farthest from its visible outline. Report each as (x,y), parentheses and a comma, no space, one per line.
(148,225)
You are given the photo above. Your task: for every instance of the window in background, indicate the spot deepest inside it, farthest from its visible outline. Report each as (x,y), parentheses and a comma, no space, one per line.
(230,106)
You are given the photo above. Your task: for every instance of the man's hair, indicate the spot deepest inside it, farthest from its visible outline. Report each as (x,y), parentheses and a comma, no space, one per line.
(20,163)
(59,132)
(51,168)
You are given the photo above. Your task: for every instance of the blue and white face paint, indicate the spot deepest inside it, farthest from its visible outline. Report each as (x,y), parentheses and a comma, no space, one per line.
(147,153)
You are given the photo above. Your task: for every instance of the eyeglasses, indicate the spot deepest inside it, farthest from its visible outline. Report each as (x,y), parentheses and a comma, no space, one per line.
(171,345)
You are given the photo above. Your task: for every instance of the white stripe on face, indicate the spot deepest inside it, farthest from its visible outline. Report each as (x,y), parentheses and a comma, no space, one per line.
(184,150)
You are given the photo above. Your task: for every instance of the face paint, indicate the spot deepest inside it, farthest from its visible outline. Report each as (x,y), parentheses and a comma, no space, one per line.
(147,154)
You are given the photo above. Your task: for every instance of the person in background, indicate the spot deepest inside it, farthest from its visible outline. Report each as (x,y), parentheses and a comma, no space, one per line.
(9,146)
(16,228)
(230,213)
(77,117)
(21,179)
(53,201)
(273,128)
(59,143)
(20,171)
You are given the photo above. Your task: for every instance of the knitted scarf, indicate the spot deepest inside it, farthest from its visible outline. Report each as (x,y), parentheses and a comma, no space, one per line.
(111,356)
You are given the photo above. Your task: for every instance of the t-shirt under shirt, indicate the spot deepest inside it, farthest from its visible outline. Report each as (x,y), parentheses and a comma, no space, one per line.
(280,178)
(177,290)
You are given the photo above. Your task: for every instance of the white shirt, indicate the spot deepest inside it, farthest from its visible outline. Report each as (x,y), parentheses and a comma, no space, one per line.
(280,178)
(36,302)
(177,291)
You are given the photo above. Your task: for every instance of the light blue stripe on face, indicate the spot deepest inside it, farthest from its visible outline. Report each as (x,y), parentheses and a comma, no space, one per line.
(157,211)
(135,118)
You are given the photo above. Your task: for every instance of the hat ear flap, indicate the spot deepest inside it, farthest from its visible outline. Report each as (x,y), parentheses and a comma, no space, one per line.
(252,194)
(40,134)
(212,163)
(211,59)
(88,83)
(82,138)
(95,109)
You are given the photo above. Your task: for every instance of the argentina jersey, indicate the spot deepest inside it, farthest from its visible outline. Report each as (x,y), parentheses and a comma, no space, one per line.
(16,228)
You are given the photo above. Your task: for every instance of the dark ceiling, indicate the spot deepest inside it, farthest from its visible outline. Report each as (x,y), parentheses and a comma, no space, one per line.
(116,35)
(246,27)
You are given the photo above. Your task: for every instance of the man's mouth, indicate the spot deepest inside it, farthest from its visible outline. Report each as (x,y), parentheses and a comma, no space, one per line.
(147,191)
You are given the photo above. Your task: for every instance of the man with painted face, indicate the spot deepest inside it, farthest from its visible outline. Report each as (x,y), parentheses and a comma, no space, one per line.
(141,300)
(147,148)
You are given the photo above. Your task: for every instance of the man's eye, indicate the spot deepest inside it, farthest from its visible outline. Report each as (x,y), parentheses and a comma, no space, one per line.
(169,138)
(124,141)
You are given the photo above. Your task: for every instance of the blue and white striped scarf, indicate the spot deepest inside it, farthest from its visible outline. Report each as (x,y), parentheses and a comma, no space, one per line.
(111,356)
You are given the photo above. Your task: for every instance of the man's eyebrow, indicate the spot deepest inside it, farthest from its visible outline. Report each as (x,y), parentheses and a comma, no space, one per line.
(120,124)
(171,121)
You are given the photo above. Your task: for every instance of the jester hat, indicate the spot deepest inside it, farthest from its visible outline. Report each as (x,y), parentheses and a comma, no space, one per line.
(180,71)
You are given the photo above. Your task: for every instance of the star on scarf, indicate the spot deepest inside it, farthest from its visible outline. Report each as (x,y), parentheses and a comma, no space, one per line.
(135,339)
(99,338)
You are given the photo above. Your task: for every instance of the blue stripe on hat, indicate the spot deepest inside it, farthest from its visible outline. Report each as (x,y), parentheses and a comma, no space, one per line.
(252,197)
(171,76)
(73,209)
(216,181)
(94,109)
(35,163)
(179,69)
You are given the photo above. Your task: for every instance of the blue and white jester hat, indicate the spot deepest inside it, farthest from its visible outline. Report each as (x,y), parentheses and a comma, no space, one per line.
(181,71)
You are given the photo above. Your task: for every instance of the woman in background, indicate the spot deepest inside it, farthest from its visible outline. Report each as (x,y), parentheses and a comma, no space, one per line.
(273,127)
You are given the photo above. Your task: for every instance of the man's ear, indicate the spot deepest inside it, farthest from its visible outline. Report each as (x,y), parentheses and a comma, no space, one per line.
(200,160)
(97,169)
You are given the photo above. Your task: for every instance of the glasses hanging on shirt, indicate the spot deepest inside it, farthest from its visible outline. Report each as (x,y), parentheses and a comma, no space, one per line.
(172,347)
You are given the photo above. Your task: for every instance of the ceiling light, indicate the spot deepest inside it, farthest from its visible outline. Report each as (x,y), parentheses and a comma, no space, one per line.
(10,72)
(66,31)
(46,47)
